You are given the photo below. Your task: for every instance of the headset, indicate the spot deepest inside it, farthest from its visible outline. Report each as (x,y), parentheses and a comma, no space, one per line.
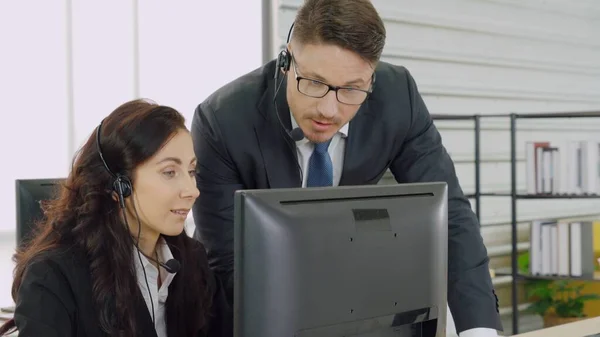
(283,64)
(284,59)
(123,188)
(122,184)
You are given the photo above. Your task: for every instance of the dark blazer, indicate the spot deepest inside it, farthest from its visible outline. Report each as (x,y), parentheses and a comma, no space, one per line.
(55,300)
(239,145)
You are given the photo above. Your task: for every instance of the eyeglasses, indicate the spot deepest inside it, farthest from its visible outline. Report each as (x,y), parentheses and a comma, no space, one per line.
(318,89)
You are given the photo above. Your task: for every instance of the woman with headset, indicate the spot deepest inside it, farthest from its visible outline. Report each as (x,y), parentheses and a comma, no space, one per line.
(111,257)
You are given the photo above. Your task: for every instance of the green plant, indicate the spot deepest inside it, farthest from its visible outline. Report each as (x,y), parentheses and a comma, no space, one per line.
(560,297)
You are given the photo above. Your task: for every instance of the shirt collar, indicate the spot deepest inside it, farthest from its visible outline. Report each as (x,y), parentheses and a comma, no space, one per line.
(343,130)
(164,255)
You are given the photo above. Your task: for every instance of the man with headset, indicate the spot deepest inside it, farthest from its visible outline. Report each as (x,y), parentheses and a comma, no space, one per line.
(342,117)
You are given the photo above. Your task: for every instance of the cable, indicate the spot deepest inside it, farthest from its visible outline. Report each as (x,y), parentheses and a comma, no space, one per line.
(139,233)
(286,134)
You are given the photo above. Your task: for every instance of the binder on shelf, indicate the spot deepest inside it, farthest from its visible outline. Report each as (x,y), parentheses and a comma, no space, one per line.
(562,168)
(564,248)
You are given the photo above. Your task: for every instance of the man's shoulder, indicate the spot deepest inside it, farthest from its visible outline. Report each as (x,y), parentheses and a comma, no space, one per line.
(242,93)
(388,74)
(393,93)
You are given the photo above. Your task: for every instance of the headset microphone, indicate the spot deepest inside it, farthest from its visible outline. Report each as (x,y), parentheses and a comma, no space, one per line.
(297,134)
(172,266)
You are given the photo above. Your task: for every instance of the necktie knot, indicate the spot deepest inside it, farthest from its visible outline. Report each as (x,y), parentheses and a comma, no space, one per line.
(322,147)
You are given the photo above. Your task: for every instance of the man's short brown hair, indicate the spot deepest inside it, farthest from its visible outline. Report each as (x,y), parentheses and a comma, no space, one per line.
(350,24)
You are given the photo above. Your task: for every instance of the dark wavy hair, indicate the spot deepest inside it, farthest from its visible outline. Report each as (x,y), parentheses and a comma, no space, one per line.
(86,216)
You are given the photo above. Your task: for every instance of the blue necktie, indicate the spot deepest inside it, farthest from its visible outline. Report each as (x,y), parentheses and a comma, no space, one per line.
(320,168)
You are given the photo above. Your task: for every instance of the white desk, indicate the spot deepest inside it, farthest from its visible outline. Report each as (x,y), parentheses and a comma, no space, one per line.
(7,249)
(582,328)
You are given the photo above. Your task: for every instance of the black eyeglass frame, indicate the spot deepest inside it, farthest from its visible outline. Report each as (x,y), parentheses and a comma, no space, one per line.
(330,87)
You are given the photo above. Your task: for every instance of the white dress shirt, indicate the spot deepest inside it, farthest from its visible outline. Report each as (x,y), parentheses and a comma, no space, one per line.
(159,296)
(336,152)
(479,332)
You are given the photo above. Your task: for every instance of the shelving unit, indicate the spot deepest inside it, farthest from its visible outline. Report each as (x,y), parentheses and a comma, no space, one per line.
(477,147)
(515,196)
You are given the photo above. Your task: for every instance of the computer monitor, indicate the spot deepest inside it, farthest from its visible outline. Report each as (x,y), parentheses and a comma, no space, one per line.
(29,194)
(361,261)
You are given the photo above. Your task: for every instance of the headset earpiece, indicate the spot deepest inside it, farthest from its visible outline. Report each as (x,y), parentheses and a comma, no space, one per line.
(122,186)
(283,63)
(284,60)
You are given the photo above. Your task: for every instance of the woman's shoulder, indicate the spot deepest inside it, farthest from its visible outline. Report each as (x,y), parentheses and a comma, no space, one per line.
(60,261)
(54,271)
(49,280)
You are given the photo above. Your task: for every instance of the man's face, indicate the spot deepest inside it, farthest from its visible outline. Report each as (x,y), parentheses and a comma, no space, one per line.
(320,65)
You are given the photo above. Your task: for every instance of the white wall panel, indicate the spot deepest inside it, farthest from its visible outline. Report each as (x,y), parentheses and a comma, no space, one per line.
(33,88)
(103,60)
(34,85)
(445,102)
(190,49)
(573,10)
(481,80)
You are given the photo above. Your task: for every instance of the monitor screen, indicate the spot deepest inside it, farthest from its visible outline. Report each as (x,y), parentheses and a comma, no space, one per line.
(363,261)
(29,194)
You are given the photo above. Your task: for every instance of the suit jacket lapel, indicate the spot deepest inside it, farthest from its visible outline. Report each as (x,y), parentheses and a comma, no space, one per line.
(359,141)
(143,317)
(277,148)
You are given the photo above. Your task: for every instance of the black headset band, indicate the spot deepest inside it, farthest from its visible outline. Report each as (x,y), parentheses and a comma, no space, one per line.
(121,185)
(99,149)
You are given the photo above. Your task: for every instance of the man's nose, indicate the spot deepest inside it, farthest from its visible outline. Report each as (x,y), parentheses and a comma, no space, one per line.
(329,105)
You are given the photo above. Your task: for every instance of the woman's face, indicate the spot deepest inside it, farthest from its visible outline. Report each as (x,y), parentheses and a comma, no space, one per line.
(164,188)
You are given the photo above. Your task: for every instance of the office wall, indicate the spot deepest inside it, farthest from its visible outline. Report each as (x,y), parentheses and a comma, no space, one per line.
(67,64)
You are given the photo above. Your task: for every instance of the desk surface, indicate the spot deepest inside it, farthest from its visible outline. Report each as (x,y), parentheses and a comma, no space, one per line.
(584,328)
